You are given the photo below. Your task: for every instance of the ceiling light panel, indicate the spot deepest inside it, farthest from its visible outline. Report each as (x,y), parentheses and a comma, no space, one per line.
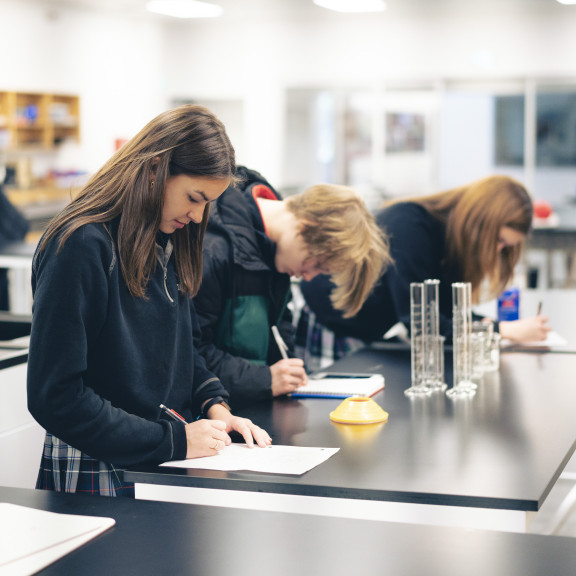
(350,6)
(184,8)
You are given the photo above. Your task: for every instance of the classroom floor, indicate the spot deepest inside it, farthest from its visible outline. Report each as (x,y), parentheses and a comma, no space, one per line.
(558,514)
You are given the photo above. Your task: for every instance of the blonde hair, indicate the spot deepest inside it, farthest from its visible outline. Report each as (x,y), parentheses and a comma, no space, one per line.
(474,215)
(343,236)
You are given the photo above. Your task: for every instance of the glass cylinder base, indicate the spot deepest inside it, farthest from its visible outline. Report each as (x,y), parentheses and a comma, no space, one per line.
(462,390)
(436,385)
(417,391)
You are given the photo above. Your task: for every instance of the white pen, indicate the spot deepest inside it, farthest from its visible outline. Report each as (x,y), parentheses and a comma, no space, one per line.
(280,342)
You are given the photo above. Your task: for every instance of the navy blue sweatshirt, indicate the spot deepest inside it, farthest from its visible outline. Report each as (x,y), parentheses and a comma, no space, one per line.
(101,361)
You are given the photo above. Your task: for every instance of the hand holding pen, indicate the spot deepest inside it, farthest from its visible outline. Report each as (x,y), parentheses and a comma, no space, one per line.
(204,437)
(288,374)
(207,437)
(531,329)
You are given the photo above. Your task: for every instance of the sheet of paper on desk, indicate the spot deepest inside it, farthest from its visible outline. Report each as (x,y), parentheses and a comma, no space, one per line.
(273,459)
(554,340)
(32,539)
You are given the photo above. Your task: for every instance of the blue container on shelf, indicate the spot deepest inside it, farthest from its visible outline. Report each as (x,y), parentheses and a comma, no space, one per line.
(31,113)
(509,305)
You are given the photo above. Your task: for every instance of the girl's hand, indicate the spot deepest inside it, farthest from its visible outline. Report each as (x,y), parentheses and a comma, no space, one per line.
(532,329)
(249,431)
(205,438)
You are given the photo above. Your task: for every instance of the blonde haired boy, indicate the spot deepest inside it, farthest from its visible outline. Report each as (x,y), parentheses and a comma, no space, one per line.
(255,242)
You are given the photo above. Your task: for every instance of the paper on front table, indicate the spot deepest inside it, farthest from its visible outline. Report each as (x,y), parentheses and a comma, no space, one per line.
(273,459)
(32,539)
(553,340)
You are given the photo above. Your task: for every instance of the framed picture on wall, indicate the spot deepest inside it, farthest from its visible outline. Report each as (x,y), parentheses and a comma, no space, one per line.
(405,132)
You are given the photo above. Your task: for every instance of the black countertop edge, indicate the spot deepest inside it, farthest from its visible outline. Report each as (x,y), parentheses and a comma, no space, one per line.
(179,478)
(21,358)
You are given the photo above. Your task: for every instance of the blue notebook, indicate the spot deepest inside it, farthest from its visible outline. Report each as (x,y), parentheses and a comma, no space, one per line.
(332,385)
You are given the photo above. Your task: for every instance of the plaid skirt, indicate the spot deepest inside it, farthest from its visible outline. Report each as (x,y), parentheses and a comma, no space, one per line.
(66,469)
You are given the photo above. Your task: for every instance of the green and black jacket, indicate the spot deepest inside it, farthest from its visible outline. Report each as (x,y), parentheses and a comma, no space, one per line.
(242,294)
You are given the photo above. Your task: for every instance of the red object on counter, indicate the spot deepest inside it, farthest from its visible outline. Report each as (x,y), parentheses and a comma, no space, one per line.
(542,209)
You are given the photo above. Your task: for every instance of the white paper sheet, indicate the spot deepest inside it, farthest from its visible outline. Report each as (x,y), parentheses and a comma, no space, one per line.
(554,340)
(273,459)
(32,539)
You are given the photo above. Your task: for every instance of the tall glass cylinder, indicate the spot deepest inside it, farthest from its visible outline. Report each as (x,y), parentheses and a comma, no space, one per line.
(461,331)
(433,343)
(417,327)
(432,308)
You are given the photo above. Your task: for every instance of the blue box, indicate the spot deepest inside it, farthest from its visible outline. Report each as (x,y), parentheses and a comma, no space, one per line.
(509,305)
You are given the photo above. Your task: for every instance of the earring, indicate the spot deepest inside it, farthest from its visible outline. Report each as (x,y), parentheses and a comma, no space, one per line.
(151,184)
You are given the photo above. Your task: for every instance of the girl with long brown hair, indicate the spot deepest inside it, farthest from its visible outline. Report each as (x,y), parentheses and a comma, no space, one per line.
(113,319)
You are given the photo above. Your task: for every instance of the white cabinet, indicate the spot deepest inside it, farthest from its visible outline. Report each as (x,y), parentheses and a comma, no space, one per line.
(21,438)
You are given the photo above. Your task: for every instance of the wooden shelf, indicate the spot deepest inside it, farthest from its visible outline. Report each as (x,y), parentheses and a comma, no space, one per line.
(45,194)
(37,120)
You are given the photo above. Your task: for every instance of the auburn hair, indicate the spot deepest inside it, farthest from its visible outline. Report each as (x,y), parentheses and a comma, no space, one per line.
(474,216)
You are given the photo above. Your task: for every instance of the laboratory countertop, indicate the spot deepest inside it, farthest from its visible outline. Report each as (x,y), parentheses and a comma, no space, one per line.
(164,538)
(501,449)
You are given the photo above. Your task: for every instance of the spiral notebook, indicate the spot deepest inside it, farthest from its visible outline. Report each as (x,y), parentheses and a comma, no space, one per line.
(332,385)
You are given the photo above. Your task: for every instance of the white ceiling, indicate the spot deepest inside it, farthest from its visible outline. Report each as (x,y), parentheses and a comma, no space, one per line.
(306,9)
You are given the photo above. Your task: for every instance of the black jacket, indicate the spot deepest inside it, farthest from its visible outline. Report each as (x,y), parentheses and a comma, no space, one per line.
(101,361)
(242,294)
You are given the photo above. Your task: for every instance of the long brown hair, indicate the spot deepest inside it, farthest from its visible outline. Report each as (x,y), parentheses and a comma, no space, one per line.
(187,140)
(474,215)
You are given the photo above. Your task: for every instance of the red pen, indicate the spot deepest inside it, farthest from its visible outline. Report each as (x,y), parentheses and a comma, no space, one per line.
(173,414)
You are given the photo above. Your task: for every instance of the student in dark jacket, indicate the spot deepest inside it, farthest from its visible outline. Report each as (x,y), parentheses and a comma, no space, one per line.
(113,317)
(474,234)
(13,227)
(255,242)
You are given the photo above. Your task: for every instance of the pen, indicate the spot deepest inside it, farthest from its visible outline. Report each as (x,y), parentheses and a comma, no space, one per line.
(173,414)
(539,308)
(280,342)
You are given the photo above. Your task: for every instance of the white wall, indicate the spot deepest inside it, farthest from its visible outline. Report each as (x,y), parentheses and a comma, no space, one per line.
(258,58)
(128,69)
(460,163)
